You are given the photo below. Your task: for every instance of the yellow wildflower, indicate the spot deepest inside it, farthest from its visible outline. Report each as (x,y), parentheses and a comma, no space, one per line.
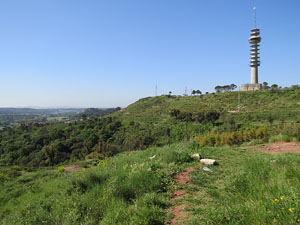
(278,215)
(274,220)
(291,209)
(282,208)
(269,211)
(298,220)
(282,197)
(276,200)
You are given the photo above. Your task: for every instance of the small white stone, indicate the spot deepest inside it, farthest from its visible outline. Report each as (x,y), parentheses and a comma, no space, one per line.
(152,157)
(208,161)
(196,155)
(207,169)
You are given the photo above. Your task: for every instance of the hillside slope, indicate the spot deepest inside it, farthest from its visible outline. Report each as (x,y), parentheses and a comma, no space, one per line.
(282,104)
(135,188)
(211,119)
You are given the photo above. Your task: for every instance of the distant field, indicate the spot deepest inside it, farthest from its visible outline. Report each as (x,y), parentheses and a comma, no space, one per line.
(58,118)
(8,116)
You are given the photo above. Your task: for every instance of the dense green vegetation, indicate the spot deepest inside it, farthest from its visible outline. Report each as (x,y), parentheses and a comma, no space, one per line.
(94,112)
(127,189)
(133,187)
(210,120)
(247,187)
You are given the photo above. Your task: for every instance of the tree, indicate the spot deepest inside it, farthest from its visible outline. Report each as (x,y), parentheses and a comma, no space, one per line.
(274,87)
(218,88)
(175,113)
(193,92)
(83,116)
(270,119)
(265,86)
(233,86)
(225,88)
(198,92)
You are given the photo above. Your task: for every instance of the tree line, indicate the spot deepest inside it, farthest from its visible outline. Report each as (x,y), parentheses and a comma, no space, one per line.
(225,88)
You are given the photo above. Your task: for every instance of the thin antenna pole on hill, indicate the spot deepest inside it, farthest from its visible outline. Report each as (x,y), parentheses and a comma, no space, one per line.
(254,9)
(239,99)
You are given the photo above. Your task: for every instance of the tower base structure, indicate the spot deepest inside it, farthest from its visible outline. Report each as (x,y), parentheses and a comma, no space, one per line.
(251,87)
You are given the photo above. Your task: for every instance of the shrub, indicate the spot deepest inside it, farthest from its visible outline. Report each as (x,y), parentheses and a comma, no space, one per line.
(61,168)
(233,137)
(14,173)
(89,181)
(133,185)
(281,138)
(3,177)
(179,157)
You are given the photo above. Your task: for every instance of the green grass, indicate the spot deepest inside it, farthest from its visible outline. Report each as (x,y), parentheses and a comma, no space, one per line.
(282,138)
(127,189)
(57,118)
(247,187)
(260,106)
(152,122)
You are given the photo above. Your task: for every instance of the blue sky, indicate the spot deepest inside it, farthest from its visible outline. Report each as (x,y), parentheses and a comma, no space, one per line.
(108,53)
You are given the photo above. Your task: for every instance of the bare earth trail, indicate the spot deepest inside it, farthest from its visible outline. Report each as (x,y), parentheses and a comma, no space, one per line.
(280,147)
(73,168)
(178,209)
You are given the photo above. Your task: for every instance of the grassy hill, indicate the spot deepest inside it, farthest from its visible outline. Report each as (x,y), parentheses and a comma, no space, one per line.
(209,120)
(247,187)
(283,104)
(120,185)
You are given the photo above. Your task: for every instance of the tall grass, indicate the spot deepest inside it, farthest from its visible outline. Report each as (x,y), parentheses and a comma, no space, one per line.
(128,189)
(249,188)
(282,138)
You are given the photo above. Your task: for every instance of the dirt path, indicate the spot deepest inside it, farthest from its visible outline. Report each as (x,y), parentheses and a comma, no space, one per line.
(178,210)
(280,147)
(73,168)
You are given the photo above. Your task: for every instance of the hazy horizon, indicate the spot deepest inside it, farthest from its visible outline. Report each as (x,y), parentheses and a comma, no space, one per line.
(53,107)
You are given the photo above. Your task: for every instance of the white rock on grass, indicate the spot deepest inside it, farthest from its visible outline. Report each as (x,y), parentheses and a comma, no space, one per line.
(208,161)
(207,169)
(196,155)
(152,157)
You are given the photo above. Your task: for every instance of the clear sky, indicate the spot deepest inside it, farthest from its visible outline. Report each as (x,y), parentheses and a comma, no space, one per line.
(108,53)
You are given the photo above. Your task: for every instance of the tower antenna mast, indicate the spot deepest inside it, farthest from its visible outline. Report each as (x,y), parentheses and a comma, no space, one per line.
(254,9)
(254,41)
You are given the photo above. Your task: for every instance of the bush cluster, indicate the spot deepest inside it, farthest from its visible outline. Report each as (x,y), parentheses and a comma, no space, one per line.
(232,137)
(201,117)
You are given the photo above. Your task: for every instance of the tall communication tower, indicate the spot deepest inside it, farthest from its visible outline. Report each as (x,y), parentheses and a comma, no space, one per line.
(254,41)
